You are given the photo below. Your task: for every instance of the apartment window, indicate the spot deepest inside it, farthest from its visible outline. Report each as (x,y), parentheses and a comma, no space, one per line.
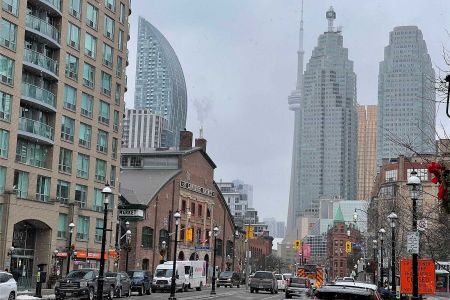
(391,175)
(31,153)
(109,28)
(102,141)
(107,55)
(73,36)
(183,206)
(5,106)
(147,237)
(421,173)
(120,40)
(75,8)
(8,34)
(200,210)
(110,4)
(62,226)
(63,191)
(98,232)
(83,228)
(116,121)
(65,160)
(21,184)
(92,16)
(117,94)
(100,170)
(11,6)
(135,161)
(103,112)
(81,195)
(122,13)
(43,188)
(6,70)
(3,179)
(86,105)
(219,248)
(83,166)
(119,70)
(90,45)
(4,143)
(71,66)
(106,84)
(98,200)
(67,128)
(112,176)
(193,208)
(84,139)
(89,75)
(70,97)
(114,147)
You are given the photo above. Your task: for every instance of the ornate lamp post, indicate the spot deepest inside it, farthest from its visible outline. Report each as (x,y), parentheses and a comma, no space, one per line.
(69,248)
(128,247)
(101,278)
(177,217)
(415,187)
(163,251)
(375,260)
(382,232)
(236,234)
(213,288)
(393,217)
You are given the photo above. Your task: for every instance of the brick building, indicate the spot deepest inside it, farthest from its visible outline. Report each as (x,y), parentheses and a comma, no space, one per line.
(337,236)
(260,247)
(158,182)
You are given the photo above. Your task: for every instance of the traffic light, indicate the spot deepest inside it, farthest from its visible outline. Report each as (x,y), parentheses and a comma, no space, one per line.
(297,244)
(189,234)
(348,246)
(249,234)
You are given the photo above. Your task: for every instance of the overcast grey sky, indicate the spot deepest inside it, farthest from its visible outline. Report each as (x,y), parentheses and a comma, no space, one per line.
(239,60)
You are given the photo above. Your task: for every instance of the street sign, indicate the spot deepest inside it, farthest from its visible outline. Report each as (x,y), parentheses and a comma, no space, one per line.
(348,246)
(413,242)
(426,276)
(422,224)
(297,244)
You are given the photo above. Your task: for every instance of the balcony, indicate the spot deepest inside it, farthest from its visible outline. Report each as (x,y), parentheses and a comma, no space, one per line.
(37,96)
(52,7)
(43,29)
(36,130)
(39,62)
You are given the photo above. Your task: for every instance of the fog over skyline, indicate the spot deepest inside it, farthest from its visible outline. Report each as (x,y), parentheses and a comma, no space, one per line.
(239,59)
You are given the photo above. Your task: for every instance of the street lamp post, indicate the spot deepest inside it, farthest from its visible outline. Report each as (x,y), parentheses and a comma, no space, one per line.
(213,288)
(375,260)
(69,248)
(128,247)
(414,185)
(236,234)
(382,232)
(177,217)
(101,278)
(393,217)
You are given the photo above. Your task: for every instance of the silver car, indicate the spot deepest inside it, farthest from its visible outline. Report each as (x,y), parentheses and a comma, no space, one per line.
(264,281)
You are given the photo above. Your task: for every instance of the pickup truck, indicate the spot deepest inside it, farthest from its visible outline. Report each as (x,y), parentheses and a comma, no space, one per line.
(83,284)
(264,281)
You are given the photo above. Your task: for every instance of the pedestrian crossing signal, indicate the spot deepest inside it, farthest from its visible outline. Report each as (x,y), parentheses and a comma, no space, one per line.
(297,244)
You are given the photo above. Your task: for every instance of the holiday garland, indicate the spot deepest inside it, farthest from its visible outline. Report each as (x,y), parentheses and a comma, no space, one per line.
(441,176)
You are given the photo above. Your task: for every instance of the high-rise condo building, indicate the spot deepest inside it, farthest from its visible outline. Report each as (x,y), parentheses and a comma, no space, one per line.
(62,84)
(324,161)
(160,84)
(406,97)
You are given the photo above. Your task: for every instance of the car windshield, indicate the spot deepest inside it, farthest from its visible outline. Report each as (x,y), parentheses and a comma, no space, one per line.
(263,275)
(136,274)
(163,273)
(298,281)
(80,274)
(278,277)
(226,274)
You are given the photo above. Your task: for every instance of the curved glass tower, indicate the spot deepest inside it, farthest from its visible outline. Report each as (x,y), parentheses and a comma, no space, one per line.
(160,84)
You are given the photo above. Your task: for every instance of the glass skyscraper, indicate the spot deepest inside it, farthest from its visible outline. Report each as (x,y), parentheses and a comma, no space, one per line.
(160,84)
(406,96)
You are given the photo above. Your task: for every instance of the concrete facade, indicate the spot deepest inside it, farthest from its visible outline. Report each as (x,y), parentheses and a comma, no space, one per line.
(62,99)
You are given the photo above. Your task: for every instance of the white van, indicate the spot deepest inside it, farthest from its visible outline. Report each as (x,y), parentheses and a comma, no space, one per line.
(195,273)
(162,278)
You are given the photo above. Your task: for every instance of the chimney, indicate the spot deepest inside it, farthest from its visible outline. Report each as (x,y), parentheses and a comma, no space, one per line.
(185,139)
(201,142)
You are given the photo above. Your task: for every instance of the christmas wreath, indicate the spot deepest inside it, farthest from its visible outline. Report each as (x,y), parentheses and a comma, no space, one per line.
(441,176)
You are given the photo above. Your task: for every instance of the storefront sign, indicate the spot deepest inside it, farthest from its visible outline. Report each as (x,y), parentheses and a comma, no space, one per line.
(61,254)
(131,213)
(196,188)
(198,248)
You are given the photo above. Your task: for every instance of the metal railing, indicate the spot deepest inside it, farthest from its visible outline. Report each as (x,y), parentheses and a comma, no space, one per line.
(42,26)
(38,93)
(55,3)
(41,60)
(36,127)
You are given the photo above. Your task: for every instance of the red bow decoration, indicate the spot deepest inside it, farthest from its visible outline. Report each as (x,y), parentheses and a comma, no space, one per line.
(437,169)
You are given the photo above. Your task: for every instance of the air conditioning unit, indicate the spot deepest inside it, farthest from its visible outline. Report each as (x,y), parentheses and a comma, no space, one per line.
(73,44)
(91,23)
(74,13)
(7,43)
(8,7)
(5,78)
(89,53)
(110,6)
(108,34)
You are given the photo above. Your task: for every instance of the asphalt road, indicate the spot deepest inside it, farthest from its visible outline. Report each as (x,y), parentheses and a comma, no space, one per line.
(221,293)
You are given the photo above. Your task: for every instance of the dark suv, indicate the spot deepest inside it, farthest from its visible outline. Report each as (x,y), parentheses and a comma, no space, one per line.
(229,278)
(141,281)
(264,281)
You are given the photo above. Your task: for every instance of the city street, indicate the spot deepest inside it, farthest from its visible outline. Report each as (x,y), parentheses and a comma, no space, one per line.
(222,293)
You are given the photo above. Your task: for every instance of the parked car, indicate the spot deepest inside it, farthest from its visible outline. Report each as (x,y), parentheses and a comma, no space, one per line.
(83,284)
(281,282)
(123,283)
(298,286)
(228,278)
(264,281)
(141,281)
(8,286)
(344,292)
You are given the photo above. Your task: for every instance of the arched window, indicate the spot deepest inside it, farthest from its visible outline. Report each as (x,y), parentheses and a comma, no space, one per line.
(219,247)
(147,237)
(163,236)
(230,248)
(145,264)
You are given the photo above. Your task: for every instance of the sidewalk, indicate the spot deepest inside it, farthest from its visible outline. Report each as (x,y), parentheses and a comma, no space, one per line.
(29,294)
